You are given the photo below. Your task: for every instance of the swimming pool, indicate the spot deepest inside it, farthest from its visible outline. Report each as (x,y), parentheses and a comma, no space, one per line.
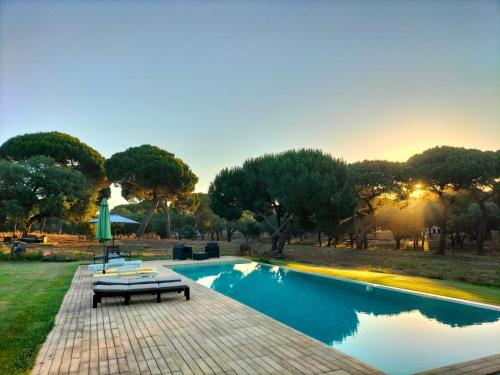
(397,332)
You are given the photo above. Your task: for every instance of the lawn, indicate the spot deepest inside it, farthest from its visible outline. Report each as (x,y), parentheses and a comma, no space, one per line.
(30,296)
(447,288)
(456,265)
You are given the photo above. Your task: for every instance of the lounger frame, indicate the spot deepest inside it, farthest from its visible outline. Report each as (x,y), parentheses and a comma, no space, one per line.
(126,294)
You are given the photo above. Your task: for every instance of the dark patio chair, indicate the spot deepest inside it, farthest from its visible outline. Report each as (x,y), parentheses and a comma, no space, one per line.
(212,248)
(182,252)
(115,250)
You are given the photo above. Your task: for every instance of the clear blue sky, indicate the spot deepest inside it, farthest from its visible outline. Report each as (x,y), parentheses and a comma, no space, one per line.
(216,82)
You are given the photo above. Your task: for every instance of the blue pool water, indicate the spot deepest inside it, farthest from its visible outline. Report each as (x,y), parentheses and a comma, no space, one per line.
(397,332)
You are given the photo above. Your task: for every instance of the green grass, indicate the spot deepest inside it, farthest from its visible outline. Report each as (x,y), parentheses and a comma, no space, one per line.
(30,296)
(447,288)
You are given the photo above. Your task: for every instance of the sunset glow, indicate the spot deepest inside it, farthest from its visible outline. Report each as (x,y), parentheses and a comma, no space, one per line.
(253,77)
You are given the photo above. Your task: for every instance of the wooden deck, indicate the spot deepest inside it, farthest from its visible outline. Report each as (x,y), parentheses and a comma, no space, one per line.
(210,334)
(482,366)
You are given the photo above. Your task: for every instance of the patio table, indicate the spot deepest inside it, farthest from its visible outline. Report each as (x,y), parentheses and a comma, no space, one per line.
(200,256)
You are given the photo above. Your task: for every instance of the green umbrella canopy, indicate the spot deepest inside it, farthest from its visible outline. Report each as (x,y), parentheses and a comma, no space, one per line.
(103,231)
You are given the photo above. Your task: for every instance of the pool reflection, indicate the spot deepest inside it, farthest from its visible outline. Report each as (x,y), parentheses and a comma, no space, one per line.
(331,310)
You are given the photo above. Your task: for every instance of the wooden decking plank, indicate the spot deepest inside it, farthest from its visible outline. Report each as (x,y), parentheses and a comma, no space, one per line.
(211,334)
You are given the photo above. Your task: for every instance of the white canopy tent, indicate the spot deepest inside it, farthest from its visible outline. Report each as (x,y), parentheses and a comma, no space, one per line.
(116,219)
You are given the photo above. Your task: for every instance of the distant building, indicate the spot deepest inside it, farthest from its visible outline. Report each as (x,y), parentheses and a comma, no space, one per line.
(434,230)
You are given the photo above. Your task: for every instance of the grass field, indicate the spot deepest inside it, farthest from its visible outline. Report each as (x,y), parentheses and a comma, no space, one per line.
(465,266)
(447,288)
(82,250)
(30,296)
(456,265)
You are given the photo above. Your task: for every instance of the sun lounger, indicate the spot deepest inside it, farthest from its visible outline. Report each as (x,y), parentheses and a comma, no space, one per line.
(127,271)
(126,291)
(143,280)
(114,263)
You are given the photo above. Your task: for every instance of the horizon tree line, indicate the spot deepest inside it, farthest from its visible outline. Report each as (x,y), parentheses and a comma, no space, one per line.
(52,175)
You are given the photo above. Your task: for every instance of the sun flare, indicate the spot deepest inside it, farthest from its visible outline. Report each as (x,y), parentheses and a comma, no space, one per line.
(418,192)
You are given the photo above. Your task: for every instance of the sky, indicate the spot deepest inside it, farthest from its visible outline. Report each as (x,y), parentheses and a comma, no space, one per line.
(217,82)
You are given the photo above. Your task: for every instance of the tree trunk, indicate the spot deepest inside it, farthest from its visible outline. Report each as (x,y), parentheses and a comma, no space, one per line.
(27,225)
(329,241)
(60,226)
(481,230)
(229,234)
(398,243)
(166,211)
(443,232)
(283,236)
(274,243)
(444,224)
(275,236)
(423,241)
(42,225)
(319,238)
(169,233)
(351,240)
(147,217)
(361,239)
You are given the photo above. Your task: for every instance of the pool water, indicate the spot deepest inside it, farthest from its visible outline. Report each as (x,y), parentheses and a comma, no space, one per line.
(396,332)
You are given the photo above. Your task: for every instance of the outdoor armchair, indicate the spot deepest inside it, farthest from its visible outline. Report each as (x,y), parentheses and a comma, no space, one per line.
(212,249)
(182,252)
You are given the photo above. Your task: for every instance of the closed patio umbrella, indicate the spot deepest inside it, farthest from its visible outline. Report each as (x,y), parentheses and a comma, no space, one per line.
(103,230)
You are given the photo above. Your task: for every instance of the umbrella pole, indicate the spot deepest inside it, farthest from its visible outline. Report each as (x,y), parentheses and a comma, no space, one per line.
(105,259)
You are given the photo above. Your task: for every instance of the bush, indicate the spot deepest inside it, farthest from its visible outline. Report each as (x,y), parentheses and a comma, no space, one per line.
(189,232)
(254,248)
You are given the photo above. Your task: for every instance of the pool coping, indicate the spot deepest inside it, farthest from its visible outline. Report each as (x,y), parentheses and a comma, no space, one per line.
(393,288)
